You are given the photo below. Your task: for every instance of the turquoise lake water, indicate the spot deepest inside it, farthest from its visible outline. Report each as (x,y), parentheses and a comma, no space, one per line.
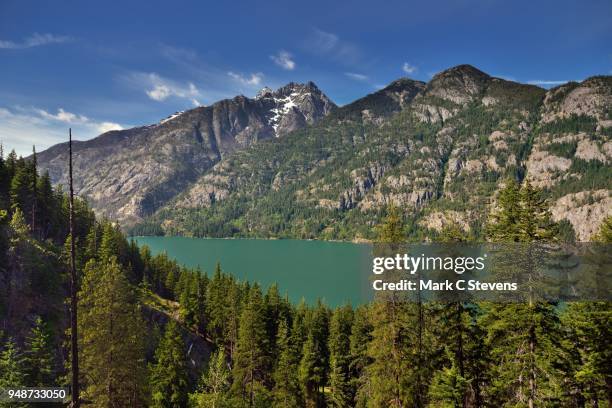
(336,272)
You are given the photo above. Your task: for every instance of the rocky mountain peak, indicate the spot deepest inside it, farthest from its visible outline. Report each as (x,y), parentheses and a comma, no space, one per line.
(265,92)
(295,105)
(463,70)
(458,84)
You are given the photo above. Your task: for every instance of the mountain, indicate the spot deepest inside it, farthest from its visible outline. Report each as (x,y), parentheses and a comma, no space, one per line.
(128,174)
(440,151)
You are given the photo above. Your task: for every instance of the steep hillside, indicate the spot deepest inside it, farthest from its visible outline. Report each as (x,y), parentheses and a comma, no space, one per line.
(128,174)
(439,150)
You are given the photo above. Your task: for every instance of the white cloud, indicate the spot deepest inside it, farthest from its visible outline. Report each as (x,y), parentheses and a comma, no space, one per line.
(506,77)
(35,40)
(324,41)
(284,60)
(20,128)
(357,77)
(159,93)
(63,116)
(408,68)
(160,89)
(329,44)
(546,82)
(253,80)
(76,119)
(104,127)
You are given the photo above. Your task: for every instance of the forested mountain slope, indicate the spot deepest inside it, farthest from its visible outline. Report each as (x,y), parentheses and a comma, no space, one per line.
(440,151)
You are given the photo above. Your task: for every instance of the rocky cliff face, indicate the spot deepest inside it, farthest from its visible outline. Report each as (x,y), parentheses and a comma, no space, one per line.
(127,175)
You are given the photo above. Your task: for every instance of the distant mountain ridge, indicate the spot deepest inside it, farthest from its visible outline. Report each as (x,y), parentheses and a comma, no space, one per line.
(441,150)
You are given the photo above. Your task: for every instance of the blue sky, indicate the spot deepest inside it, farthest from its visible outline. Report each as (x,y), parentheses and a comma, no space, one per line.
(108,64)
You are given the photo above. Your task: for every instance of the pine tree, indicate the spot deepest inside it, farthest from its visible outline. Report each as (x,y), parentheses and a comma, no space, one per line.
(20,191)
(214,384)
(33,188)
(232,320)
(587,326)
(251,360)
(361,336)
(342,390)
(395,377)
(463,356)
(314,366)
(46,207)
(18,223)
(189,300)
(170,284)
(217,305)
(528,331)
(110,337)
(505,223)
(168,380)
(587,353)
(286,392)
(535,221)
(12,372)
(39,355)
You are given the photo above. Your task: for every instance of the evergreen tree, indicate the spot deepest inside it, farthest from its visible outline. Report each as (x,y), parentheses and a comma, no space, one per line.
(397,351)
(535,221)
(20,191)
(587,361)
(286,392)
(232,320)
(504,225)
(361,336)
(251,360)
(46,207)
(342,391)
(168,379)
(33,188)
(18,223)
(214,384)
(39,355)
(110,337)
(523,336)
(314,366)
(217,305)
(12,372)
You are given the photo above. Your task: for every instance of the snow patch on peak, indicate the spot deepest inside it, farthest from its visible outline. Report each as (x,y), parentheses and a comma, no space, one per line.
(283,106)
(171,117)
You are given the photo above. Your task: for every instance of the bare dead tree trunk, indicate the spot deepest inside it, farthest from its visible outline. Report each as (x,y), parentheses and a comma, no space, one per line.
(75,403)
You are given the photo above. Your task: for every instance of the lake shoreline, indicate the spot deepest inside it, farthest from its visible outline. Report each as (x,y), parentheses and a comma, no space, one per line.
(354,241)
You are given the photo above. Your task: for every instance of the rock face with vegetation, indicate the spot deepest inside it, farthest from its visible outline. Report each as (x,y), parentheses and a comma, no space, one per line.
(128,174)
(439,150)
